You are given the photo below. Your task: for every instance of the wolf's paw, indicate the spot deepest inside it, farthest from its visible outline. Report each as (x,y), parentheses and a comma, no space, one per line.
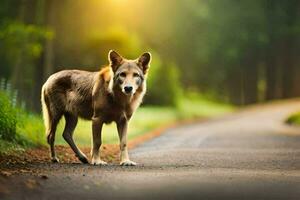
(127,163)
(83,160)
(98,162)
(54,160)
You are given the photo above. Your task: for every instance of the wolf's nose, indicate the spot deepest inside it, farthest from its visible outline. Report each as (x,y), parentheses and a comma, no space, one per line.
(128,89)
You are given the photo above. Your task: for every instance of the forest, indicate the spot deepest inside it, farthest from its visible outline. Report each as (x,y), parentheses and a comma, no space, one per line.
(238,52)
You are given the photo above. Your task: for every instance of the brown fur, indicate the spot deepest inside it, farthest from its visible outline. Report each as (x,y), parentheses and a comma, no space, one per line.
(111,95)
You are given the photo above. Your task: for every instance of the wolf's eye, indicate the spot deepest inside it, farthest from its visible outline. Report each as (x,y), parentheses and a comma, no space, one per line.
(136,75)
(123,74)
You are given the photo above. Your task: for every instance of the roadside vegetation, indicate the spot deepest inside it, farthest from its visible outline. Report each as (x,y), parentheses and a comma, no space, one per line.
(294,119)
(18,129)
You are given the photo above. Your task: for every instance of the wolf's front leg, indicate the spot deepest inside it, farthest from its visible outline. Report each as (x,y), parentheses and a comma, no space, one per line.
(97,124)
(122,131)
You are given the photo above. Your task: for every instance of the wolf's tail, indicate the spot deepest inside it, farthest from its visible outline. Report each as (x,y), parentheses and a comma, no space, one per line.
(45,110)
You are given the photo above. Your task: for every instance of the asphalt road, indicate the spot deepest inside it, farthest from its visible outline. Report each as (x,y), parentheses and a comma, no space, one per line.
(247,155)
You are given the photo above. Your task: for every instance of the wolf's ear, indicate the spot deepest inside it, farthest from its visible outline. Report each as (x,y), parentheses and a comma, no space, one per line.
(144,61)
(115,59)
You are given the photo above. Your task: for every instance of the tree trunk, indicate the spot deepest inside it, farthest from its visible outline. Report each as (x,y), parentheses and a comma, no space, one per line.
(250,76)
(235,86)
(49,44)
(44,66)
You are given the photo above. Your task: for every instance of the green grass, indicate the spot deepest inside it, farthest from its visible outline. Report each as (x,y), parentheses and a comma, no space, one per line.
(30,133)
(294,119)
(7,147)
(30,129)
(196,106)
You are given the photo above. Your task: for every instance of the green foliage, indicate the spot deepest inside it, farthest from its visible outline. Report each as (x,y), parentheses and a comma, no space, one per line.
(163,83)
(19,38)
(18,127)
(30,129)
(8,118)
(22,47)
(294,119)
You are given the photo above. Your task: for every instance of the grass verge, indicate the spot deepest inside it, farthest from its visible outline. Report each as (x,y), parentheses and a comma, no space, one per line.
(29,133)
(294,119)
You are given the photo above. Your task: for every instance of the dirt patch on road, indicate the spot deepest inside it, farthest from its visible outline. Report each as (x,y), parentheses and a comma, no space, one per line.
(19,162)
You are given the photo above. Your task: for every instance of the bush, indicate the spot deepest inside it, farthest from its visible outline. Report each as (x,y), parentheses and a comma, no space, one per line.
(163,84)
(293,119)
(8,118)
(16,125)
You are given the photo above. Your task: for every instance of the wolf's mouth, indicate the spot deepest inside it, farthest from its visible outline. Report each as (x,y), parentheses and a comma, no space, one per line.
(128,93)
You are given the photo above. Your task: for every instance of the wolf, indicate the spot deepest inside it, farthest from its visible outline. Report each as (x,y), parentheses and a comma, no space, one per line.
(110,95)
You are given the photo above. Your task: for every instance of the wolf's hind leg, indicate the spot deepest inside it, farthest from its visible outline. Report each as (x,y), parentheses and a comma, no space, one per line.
(51,138)
(71,122)
(51,119)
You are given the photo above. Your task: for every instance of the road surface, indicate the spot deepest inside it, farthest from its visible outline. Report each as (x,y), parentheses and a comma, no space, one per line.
(250,154)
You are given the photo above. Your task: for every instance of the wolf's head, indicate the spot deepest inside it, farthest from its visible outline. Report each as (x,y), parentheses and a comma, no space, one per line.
(129,75)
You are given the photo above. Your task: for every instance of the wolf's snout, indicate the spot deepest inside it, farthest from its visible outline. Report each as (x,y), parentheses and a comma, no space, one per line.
(128,89)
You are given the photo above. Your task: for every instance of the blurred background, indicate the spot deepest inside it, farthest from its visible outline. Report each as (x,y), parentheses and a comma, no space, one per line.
(208,55)
(240,52)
